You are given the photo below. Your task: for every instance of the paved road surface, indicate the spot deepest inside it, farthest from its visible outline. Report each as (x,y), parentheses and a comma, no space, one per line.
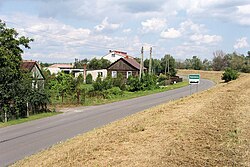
(19,141)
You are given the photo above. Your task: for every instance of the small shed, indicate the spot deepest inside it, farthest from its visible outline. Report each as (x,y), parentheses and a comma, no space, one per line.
(126,66)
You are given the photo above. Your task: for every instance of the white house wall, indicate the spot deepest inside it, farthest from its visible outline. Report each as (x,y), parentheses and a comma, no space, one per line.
(112,58)
(94,73)
(54,70)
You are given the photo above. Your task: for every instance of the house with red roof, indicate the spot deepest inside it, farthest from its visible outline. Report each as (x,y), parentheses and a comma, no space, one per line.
(114,55)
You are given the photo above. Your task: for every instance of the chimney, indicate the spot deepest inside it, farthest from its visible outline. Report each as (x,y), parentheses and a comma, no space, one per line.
(84,72)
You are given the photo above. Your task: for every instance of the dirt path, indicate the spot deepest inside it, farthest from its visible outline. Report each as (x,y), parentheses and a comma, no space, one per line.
(206,129)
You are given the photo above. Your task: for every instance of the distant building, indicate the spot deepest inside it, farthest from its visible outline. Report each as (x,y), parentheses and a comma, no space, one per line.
(66,68)
(34,68)
(126,66)
(114,55)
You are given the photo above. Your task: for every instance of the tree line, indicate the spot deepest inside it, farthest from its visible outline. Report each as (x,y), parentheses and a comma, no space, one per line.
(220,62)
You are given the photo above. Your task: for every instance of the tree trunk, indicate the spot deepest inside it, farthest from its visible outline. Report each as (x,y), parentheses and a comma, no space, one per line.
(62,97)
(78,97)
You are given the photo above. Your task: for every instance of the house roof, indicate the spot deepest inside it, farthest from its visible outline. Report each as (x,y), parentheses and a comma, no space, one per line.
(28,64)
(123,54)
(61,66)
(120,53)
(131,61)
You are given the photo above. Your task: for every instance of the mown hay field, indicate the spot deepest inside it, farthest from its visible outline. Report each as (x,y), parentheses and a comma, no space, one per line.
(209,128)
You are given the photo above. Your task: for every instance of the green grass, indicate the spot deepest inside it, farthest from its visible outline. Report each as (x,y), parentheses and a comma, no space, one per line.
(130,95)
(32,117)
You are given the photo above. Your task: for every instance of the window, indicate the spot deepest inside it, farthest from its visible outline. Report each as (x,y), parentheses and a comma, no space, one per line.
(114,74)
(113,55)
(100,74)
(129,73)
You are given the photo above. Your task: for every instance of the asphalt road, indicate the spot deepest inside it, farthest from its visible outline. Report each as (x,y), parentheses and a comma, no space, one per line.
(19,141)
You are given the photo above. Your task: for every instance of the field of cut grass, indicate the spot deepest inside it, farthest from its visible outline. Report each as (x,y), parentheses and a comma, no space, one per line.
(209,128)
(211,75)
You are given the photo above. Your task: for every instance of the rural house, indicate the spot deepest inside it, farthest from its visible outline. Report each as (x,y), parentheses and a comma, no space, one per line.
(114,55)
(34,68)
(126,66)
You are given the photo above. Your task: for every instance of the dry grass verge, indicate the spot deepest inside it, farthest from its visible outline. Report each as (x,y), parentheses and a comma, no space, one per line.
(211,75)
(210,128)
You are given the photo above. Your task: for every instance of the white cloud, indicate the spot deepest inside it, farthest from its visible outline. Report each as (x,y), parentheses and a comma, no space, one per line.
(241,43)
(153,25)
(55,41)
(191,27)
(127,30)
(170,33)
(105,25)
(206,39)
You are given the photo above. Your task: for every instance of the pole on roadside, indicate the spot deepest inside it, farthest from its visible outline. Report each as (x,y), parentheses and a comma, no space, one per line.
(150,62)
(141,64)
(190,89)
(168,63)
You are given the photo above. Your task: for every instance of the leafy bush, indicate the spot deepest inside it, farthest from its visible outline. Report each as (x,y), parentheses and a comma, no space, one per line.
(246,69)
(112,92)
(119,82)
(134,84)
(100,85)
(149,82)
(89,79)
(229,75)
(162,78)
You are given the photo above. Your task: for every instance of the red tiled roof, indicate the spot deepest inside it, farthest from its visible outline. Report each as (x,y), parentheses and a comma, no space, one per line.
(27,64)
(123,54)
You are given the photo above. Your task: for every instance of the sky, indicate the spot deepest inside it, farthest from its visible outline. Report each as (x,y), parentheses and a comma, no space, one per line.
(67,29)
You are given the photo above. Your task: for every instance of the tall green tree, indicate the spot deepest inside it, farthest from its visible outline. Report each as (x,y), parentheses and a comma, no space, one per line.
(196,63)
(168,65)
(97,64)
(11,75)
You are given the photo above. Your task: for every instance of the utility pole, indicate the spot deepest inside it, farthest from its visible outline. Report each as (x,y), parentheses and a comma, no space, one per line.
(168,63)
(150,62)
(141,64)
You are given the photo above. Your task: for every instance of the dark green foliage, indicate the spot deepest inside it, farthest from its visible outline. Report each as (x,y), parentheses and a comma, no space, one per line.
(147,82)
(162,78)
(97,64)
(229,75)
(80,80)
(246,68)
(109,93)
(196,63)
(172,65)
(89,79)
(63,85)
(119,82)
(39,99)
(100,85)
(14,85)
(134,84)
